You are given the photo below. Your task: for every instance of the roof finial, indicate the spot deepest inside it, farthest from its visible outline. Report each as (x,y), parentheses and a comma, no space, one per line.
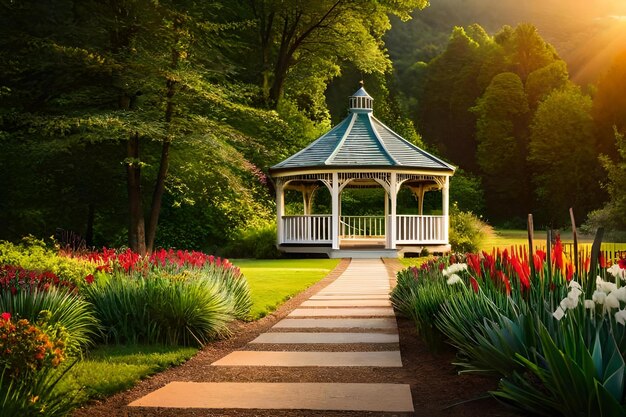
(361,83)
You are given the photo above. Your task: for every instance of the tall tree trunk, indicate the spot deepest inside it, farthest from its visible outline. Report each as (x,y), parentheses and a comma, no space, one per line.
(136,230)
(159,186)
(276,91)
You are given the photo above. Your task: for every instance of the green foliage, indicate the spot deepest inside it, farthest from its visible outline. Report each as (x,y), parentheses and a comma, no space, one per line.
(562,157)
(467,231)
(71,318)
(258,241)
(500,132)
(419,295)
(609,105)
(611,216)
(36,396)
(158,309)
(33,254)
(466,191)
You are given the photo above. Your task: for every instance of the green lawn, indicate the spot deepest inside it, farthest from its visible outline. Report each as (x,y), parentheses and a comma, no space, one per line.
(110,369)
(412,261)
(274,281)
(507,238)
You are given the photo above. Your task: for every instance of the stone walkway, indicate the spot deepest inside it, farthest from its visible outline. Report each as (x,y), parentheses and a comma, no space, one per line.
(354,310)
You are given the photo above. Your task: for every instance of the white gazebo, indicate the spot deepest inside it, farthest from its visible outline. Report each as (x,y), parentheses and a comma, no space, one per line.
(362,152)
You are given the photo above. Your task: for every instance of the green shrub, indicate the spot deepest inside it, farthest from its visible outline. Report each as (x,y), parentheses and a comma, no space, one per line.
(33,254)
(467,231)
(70,316)
(255,241)
(156,309)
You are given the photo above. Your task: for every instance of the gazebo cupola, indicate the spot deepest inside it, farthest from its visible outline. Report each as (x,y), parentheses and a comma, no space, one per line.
(361,152)
(361,102)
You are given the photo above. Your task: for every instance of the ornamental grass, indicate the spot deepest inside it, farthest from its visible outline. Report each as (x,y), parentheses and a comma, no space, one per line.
(554,335)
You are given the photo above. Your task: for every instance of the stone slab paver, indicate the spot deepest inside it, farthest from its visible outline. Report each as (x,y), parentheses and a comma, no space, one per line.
(346,303)
(373,323)
(270,358)
(294,396)
(343,312)
(349,297)
(298,338)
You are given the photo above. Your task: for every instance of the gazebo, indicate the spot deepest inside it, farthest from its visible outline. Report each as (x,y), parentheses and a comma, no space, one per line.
(361,152)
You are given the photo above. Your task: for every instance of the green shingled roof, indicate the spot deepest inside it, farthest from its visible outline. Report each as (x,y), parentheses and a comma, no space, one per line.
(362,140)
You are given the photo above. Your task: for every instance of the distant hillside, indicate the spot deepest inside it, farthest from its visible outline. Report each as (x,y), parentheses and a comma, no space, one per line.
(587,34)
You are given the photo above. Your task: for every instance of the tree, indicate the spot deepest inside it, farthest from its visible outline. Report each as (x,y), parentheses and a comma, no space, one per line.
(502,141)
(563,157)
(541,82)
(611,216)
(526,50)
(609,105)
(321,34)
(133,73)
(452,83)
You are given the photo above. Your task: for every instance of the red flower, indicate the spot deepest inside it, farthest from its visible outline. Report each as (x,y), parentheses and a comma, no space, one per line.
(622,263)
(558,254)
(541,254)
(89,279)
(474,263)
(505,281)
(569,272)
(521,273)
(474,284)
(601,260)
(6,316)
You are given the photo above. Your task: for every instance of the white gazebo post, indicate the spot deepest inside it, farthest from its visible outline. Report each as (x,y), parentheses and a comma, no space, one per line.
(280,207)
(393,195)
(387,221)
(445,203)
(335,209)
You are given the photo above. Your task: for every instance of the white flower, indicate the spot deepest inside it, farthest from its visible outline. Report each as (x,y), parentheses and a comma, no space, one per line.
(605,286)
(574,284)
(598,297)
(590,304)
(454,279)
(454,268)
(620,317)
(568,302)
(620,293)
(559,313)
(617,272)
(611,301)
(574,293)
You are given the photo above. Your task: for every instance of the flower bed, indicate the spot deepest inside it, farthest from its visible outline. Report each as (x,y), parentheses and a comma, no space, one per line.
(56,305)
(554,335)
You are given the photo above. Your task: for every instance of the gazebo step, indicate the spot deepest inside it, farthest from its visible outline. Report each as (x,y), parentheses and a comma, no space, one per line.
(363,253)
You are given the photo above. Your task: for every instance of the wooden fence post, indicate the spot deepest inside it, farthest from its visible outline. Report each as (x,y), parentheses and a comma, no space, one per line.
(531,246)
(575,236)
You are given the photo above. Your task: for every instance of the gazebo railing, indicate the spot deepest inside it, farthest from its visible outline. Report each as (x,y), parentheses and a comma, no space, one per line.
(410,229)
(420,229)
(356,227)
(307,229)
